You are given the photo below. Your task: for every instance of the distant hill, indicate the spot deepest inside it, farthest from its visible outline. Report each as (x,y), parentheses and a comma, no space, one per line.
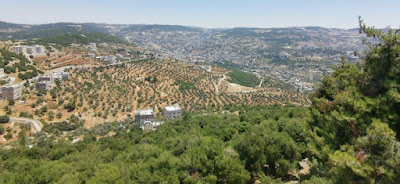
(24,31)
(83,38)
(167,28)
(5,25)
(20,31)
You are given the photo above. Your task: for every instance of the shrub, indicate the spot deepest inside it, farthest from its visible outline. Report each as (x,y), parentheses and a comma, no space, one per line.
(4,119)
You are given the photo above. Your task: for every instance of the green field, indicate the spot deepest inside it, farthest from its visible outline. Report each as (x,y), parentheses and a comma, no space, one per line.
(243,78)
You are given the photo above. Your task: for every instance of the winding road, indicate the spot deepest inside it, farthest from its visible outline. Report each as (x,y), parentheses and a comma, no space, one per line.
(259,86)
(219,83)
(36,126)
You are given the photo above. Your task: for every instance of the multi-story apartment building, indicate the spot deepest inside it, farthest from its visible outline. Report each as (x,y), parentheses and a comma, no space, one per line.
(172,112)
(11,92)
(142,115)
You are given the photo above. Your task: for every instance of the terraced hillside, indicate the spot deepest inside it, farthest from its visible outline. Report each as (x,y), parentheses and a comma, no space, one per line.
(100,94)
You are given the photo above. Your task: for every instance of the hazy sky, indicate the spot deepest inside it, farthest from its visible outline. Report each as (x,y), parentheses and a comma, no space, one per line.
(206,13)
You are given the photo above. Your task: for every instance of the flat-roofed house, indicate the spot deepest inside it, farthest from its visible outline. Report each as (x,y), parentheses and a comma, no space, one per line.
(11,92)
(44,85)
(172,112)
(18,49)
(56,78)
(45,79)
(147,125)
(110,58)
(64,75)
(39,49)
(150,125)
(142,115)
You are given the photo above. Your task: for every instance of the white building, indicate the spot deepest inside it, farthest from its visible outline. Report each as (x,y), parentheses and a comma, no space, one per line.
(172,112)
(142,115)
(103,45)
(39,49)
(35,50)
(45,78)
(64,75)
(60,75)
(18,49)
(44,85)
(92,47)
(150,125)
(11,92)
(57,78)
(110,58)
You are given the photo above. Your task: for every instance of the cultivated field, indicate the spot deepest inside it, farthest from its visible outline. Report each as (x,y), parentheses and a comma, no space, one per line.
(100,94)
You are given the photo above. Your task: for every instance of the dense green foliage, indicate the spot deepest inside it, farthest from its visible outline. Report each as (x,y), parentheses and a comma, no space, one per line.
(1,129)
(243,78)
(356,115)
(45,30)
(198,148)
(4,119)
(83,38)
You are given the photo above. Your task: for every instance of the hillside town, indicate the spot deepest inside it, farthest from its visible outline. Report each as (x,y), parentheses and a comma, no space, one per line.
(299,62)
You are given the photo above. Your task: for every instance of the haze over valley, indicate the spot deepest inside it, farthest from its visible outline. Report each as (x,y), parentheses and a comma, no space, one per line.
(297,56)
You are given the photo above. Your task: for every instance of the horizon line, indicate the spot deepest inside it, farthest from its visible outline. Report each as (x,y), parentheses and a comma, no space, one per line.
(249,27)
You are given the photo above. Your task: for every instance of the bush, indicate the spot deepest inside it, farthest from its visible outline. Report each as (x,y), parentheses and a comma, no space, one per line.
(11,102)
(8,136)
(4,119)
(59,115)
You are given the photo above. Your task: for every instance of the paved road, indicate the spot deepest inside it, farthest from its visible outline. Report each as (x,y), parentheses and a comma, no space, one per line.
(57,70)
(36,125)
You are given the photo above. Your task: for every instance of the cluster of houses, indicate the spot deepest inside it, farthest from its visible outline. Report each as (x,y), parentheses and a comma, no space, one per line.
(30,50)
(92,47)
(47,82)
(9,91)
(111,59)
(146,118)
(12,91)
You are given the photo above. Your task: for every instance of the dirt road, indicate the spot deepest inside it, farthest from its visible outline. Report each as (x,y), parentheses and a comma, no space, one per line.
(36,126)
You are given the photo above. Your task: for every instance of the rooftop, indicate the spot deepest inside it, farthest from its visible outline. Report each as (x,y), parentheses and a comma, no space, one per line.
(12,86)
(175,107)
(143,112)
